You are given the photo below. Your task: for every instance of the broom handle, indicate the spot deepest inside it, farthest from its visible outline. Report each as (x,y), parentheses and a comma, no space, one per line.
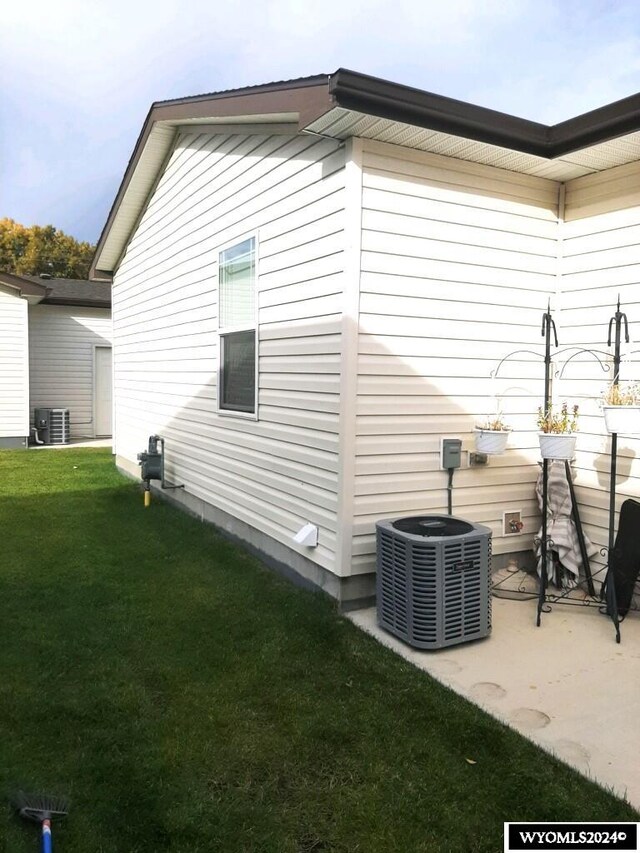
(46,837)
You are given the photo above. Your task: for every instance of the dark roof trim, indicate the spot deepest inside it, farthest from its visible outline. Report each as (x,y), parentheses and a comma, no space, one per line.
(26,287)
(78,302)
(311,97)
(307,96)
(79,293)
(378,97)
(596,126)
(237,100)
(381,98)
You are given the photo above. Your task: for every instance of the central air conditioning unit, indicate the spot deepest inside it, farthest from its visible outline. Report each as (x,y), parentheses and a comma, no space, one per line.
(52,425)
(434,580)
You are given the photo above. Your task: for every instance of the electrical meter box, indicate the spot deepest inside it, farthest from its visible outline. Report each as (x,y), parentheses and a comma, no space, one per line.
(451,452)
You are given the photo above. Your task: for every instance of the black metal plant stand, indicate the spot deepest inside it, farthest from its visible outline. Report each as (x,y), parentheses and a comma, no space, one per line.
(544,598)
(549,328)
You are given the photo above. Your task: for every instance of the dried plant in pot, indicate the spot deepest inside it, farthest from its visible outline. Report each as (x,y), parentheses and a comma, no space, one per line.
(621,408)
(557,431)
(492,436)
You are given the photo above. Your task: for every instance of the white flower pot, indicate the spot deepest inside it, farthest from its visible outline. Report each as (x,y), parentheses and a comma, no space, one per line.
(493,442)
(624,419)
(557,445)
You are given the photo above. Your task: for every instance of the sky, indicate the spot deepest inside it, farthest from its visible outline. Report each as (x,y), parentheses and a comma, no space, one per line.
(77,77)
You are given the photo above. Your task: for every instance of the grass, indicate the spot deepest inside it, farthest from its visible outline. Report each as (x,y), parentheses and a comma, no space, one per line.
(186,699)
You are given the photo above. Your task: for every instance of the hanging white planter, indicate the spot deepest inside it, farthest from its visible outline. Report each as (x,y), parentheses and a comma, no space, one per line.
(622,419)
(555,445)
(493,442)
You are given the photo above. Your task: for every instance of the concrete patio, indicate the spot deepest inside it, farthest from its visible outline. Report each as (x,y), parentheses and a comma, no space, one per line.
(567,685)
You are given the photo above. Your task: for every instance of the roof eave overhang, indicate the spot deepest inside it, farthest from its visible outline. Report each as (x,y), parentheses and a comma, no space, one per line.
(311,98)
(362,93)
(305,99)
(77,303)
(29,290)
(381,98)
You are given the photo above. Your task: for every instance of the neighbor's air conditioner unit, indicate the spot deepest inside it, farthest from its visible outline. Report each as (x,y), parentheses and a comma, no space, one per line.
(52,425)
(434,580)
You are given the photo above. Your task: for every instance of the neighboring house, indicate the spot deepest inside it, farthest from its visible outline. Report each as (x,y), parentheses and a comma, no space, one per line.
(15,296)
(314,282)
(57,337)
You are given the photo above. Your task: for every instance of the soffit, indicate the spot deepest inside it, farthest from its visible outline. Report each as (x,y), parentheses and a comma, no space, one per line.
(348,104)
(341,123)
(31,290)
(156,150)
(258,118)
(285,106)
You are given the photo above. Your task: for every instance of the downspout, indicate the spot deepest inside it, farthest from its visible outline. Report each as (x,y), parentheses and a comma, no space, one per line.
(349,358)
(558,299)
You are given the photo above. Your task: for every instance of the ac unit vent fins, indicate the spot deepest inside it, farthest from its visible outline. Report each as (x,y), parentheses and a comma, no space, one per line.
(433,580)
(59,428)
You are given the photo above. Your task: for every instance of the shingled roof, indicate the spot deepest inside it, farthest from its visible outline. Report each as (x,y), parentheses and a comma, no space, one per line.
(68,291)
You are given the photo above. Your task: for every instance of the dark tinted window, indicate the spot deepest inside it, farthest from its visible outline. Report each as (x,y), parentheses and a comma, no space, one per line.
(238,369)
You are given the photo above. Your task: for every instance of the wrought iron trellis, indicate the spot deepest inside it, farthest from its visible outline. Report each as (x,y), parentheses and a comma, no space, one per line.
(546,599)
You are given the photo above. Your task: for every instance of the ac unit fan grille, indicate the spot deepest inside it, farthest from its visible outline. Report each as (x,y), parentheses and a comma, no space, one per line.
(59,428)
(433,525)
(434,591)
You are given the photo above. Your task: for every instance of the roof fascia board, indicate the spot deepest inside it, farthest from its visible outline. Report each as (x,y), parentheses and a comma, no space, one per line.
(26,287)
(309,98)
(126,179)
(374,96)
(596,126)
(424,109)
(77,302)
(141,212)
(303,97)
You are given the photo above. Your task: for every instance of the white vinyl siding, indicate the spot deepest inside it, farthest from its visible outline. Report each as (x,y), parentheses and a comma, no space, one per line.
(61,357)
(280,471)
(601,262)
(383,311)
(14,365)
(458,261)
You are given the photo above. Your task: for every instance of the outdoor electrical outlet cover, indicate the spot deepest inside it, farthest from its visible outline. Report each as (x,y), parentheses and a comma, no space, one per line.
(509,518)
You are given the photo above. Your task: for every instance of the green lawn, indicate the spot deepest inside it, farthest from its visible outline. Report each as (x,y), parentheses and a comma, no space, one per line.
(186,699)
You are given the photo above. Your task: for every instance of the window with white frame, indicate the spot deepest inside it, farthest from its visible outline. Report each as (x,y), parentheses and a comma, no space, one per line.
(237,327)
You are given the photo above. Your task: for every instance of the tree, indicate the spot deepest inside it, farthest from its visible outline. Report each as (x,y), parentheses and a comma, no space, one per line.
(42,249)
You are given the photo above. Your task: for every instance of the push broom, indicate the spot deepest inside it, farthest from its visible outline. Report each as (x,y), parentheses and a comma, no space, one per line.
(42,810)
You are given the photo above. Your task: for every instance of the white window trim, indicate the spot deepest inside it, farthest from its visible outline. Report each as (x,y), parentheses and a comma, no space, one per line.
(232,413)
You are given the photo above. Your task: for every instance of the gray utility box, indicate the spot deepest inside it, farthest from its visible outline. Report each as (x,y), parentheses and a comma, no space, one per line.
(52,425)
(434,580)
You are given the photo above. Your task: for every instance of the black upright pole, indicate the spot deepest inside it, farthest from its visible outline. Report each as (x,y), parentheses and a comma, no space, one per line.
(616,321)
(548,326)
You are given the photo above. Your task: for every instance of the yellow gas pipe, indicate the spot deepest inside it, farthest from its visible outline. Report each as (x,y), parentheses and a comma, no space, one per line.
(147,494)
